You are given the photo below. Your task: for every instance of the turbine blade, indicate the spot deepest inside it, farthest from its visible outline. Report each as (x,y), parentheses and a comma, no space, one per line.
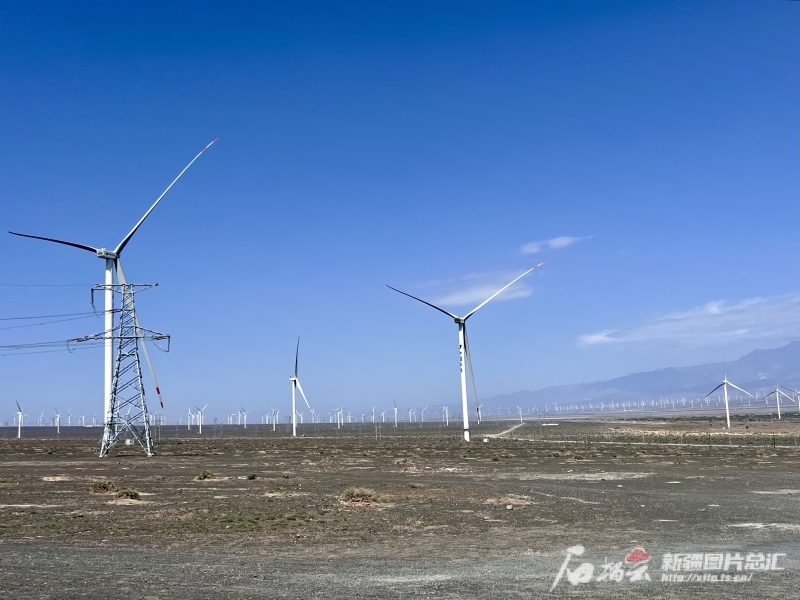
(46,239)
(296,356)
(468,354)
(740,389)
(714,390)
(482,304)
(128,237)
(300,387)
(423,301)
(18,406)
(124,280)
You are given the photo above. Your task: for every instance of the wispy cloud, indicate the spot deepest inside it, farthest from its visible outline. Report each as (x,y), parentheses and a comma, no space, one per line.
(551,244)
(474,288)
(755,319)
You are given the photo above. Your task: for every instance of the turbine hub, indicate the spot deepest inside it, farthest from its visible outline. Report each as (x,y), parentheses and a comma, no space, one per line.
(104,253)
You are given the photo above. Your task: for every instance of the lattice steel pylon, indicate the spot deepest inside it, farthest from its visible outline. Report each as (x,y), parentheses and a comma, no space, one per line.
(128,409)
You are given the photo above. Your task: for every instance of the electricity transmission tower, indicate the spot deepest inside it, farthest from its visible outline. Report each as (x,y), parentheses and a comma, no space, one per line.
(128,408)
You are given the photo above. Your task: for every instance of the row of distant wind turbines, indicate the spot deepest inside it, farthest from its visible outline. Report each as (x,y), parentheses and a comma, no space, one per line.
(113,263)
(21,414)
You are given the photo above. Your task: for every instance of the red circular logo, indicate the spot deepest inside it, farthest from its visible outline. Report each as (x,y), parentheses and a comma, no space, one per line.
(637,555)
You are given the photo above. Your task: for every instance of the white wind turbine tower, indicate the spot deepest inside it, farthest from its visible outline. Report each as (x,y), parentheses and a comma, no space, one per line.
(41,420)
(58,420)
(724,385)
(395,413)
(422,413)
(274,417)
(200,419)
(69,416)
(463,342)
(244,412)
(519,408)
(20,415)
(112,262)
(446,412)
(296,386)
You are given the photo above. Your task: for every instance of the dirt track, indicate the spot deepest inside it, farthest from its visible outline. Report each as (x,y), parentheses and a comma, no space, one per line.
(440,525)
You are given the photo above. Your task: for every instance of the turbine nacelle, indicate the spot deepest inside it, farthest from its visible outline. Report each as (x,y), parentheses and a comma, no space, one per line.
(104,253)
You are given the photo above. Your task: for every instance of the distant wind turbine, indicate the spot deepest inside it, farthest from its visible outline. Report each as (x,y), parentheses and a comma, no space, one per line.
(200,419)
(724,385)
(20,416)
(463,343)
(295,387)
(778,393)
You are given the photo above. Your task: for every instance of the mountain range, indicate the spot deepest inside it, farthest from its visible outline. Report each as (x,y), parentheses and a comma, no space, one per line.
(757,372)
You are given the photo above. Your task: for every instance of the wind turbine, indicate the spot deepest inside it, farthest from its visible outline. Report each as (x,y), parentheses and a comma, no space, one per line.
(58,420)
(778,393)
(112,262)
(395,413)
(296,386)
(69,416)
(463,343)
(520,413)
(244,412)
(422,413)
(446,411)
(274,417)
(724,385)
(20,415)
(200,419)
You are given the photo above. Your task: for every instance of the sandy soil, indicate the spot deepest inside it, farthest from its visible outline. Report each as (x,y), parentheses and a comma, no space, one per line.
(447,519)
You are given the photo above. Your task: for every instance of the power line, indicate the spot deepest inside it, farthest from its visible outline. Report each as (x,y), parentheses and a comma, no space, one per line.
(70,350)
(53,316)
(52,344)
(46,284)
(47,322)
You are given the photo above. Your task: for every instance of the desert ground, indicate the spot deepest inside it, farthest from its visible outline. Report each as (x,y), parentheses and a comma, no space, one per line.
(372,511)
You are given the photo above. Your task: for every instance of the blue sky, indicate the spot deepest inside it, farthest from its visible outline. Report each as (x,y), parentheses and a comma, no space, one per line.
(647,152)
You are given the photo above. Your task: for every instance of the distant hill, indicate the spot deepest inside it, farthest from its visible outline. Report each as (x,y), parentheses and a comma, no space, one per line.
(759,371)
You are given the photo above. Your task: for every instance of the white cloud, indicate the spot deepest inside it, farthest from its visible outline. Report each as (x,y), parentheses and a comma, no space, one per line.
(755,319)
(474,288)
(551,244)
(476,294)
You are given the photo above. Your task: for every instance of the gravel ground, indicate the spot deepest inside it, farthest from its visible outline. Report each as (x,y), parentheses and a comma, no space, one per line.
(442,519)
